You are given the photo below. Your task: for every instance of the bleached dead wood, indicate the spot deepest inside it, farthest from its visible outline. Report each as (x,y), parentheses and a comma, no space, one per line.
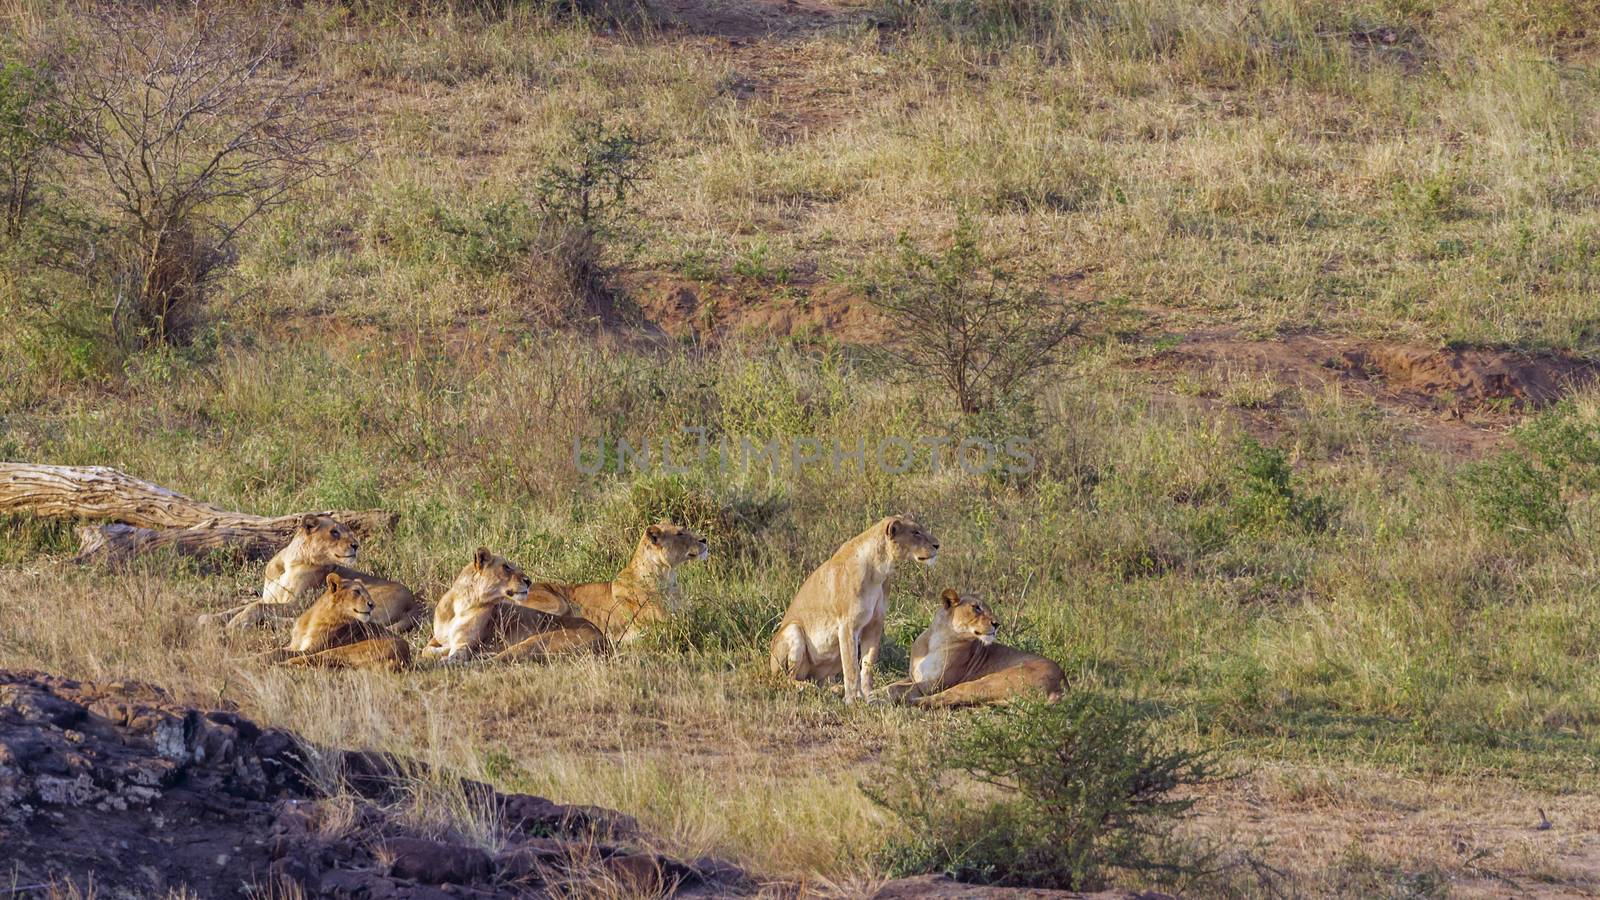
(116,542)
(150,516)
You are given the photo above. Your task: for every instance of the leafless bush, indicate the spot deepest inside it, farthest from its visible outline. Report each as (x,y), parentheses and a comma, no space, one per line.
(190,128)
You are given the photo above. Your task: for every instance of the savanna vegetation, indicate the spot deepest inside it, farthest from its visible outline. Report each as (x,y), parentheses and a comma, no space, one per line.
(418,255)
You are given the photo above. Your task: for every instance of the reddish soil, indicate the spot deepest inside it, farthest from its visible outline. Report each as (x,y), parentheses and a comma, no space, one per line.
(1462,399)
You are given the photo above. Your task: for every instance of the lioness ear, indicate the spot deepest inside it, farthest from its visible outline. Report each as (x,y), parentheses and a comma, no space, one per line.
(309,522)
(654,533)
(894,527)
(481,557)
(333,582)
(950,597)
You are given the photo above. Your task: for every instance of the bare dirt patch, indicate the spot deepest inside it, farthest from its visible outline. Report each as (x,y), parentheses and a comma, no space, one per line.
(1462,399)
(1343,832)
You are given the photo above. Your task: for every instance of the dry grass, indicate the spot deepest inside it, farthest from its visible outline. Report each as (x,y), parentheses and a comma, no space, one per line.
(1401,679)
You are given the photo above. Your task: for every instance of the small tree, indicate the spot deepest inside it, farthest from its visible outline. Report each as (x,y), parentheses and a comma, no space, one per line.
(582,201)
(32,126)
(967,320)
(1054,795)
(591,190)
(191,129)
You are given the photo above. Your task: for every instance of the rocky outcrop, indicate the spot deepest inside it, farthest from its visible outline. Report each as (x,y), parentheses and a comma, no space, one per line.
(117,786)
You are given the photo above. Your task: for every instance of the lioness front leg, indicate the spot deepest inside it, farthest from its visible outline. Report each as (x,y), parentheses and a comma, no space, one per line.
(904,691)
(850,660)
(871,640)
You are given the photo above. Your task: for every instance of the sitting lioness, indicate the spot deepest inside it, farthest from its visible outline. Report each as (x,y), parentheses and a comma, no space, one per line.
(337,632)
(320,545)
(489,610)
(644,592)
(956,661)
(834,625)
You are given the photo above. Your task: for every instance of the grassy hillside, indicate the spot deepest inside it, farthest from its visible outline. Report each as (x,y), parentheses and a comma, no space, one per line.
(1367,629)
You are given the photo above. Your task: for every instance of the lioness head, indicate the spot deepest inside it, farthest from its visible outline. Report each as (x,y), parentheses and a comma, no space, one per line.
(968,617)
(674,544)
(350,597)
(497,577)
(320,540)
(909,540)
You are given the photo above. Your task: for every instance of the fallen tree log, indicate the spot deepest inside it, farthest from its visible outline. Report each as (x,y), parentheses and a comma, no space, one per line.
(150,516)
(98,492)
(118,543)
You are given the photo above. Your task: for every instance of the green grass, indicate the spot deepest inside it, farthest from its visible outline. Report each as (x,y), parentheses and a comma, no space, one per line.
(1340,600)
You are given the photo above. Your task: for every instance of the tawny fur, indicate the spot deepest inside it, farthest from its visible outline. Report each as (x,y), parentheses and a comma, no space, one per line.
(834,625)
(956,661)
(644,593)
(338,631)
(488,610)
(294,577)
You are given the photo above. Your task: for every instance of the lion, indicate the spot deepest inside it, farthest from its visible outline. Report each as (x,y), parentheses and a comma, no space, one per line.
(956,661)
(489,609)
(337,631)
(320,545)
(644,592)
(834,625)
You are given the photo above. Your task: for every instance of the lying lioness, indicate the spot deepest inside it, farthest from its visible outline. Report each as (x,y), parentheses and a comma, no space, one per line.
(294,577)
(488,610)
(956,661)
(337,632)
(642,594)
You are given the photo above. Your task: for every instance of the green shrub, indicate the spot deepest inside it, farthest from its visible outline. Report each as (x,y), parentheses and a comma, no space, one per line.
(1530,488)
(1042,794)
(1262,499)
(32,125)
(592,189)
(1264,494)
